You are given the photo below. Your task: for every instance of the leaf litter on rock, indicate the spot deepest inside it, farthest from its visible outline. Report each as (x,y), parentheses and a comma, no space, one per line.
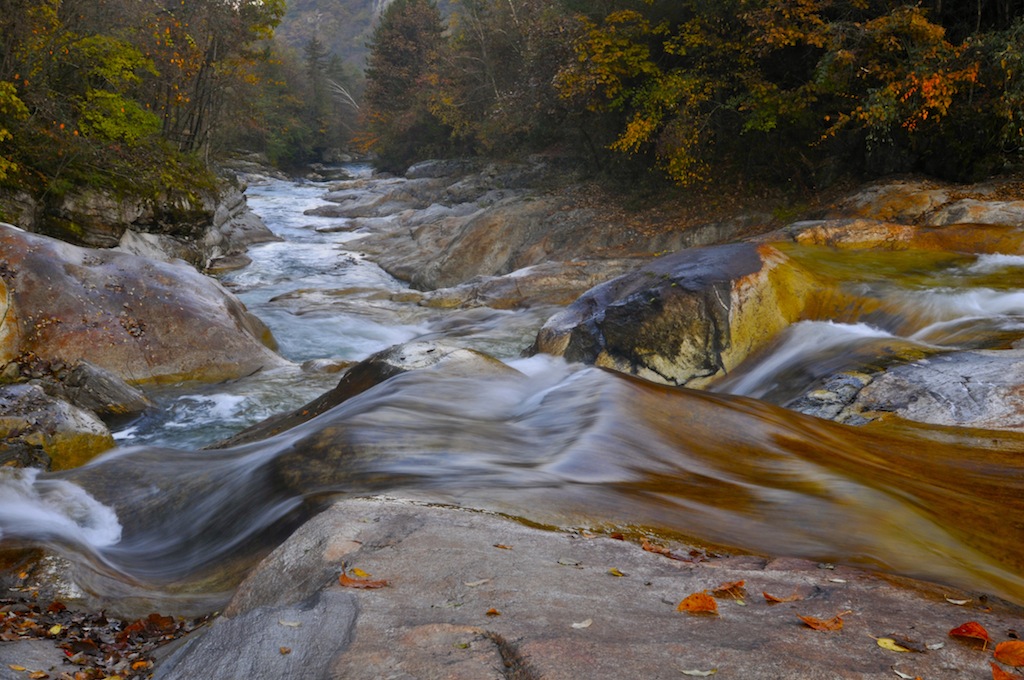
(96,646)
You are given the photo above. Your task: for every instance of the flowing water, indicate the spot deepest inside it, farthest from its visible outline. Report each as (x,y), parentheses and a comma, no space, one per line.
(554,443)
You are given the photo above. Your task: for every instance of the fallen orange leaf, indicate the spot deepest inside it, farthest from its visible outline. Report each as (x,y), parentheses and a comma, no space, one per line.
(835,623)
(999,674)
(731,588)
(492,612)
(772,599)
(1010,652)
(502,546)
(971,629)
(347,581)
(698,603)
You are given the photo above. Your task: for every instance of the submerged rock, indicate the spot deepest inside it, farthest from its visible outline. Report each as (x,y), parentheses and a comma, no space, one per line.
(372,371)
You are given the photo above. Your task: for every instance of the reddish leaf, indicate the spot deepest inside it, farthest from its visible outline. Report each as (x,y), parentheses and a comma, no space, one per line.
(1010,652)
(772,599)
(971,629)
(999,674)
(347,581)
(835,623)
(698,603)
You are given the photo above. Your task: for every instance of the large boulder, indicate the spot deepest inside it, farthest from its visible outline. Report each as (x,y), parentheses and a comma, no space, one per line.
(219,246)
(687,318)
(144,321)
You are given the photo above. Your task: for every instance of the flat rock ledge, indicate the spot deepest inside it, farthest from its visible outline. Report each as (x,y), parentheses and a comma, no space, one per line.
(474,595)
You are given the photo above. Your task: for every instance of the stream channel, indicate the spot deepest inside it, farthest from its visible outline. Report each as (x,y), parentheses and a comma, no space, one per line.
(558,444)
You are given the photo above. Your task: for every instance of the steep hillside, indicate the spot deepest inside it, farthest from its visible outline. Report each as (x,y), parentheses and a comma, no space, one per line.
(343,26)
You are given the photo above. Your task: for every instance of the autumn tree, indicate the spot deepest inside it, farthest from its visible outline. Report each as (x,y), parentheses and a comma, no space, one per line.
(787,88)
(494,84)
(398,123)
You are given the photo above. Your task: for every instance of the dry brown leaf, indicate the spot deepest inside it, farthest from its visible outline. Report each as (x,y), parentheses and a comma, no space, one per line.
(656,549)
(285,650)
(502,546)
(1010,653)
(772,599)
(698,603)
(833,624)
(972,629)
(347,581)
(733,589)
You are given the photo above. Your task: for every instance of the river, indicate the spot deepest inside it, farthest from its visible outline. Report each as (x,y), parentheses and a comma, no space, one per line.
(558,444)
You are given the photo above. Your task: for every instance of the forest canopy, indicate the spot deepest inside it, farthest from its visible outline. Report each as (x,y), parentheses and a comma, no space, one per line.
(138,97)
(782,90)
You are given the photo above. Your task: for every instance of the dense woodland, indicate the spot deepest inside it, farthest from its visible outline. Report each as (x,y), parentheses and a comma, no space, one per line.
(139,97)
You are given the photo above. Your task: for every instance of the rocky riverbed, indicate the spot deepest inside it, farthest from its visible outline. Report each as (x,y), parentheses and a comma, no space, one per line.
(543,573)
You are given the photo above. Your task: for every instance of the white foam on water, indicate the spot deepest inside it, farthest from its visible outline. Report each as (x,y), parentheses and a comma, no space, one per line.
(986,264)
(34,508)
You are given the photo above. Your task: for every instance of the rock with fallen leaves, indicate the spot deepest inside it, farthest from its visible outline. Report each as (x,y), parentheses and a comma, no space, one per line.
(450,571)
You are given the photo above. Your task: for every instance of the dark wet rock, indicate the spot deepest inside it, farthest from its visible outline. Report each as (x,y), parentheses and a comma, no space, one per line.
(510,599)
(35,426)
(104,393)
(142,320)
(683,319)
